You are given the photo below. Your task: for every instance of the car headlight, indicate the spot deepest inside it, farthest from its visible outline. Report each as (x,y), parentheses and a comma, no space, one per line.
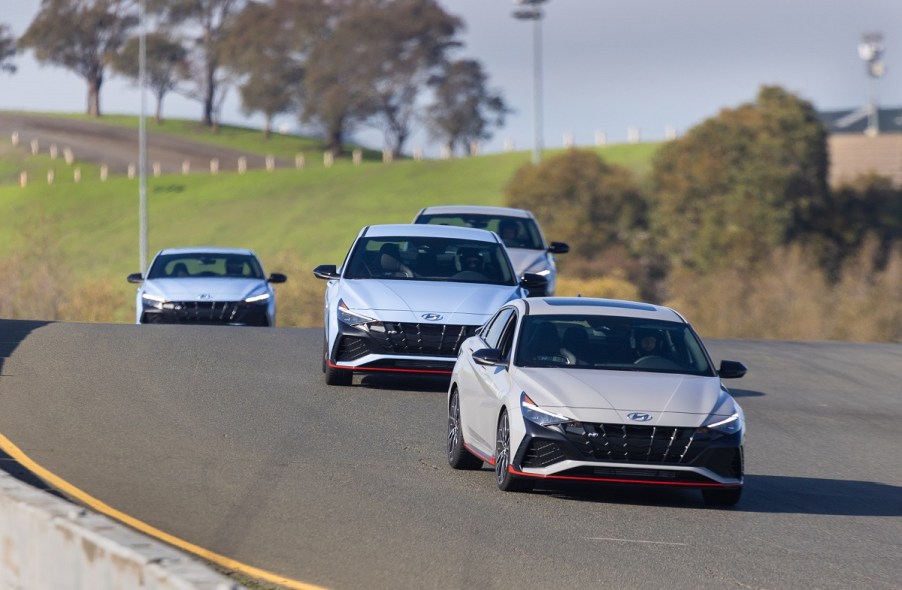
(730,425)
(152,301)
(351,318)
(539,268)
(257,298)
(537,415)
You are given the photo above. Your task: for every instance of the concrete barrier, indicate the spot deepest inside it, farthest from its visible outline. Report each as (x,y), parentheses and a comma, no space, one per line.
(47,542)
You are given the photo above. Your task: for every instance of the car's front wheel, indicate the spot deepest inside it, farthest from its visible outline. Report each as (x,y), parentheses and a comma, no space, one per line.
(727,497)
(458,456)
(334,376)
(503,477)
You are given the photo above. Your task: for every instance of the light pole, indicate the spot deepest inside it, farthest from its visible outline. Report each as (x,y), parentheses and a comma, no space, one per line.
(871,50)
(142,145)
(532,10)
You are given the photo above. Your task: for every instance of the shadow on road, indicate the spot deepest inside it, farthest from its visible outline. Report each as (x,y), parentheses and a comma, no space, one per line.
(13,333)
(406,382)
(770,494)
(737,393)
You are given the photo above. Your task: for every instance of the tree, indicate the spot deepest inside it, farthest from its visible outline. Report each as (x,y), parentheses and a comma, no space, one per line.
(868,207)
(165,59)
(266,47)
(7,50)
(579,198)
(464,109)
(740,184)
(337,93)
(82,36)
(407,40)
(203,24)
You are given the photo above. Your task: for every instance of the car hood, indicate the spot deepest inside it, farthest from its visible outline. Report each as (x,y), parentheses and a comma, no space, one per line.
(524,259)
(611,396)
(205,289)
(408,301)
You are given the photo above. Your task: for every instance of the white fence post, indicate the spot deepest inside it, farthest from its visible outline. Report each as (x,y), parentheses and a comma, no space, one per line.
(633,134)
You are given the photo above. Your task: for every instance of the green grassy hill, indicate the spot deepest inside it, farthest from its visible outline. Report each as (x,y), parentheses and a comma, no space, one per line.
(89,230)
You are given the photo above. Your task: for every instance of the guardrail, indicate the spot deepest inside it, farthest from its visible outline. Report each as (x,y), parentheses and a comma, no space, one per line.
(47,542)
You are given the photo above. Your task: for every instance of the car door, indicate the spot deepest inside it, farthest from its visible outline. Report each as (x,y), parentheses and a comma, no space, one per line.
(493,382)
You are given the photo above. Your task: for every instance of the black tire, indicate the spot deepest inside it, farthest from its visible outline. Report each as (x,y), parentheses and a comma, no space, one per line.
(458,456)
(335,376)
(506,482)
(727,497)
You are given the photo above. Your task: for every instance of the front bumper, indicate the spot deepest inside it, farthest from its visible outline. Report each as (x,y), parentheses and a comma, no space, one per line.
(232,313)
(399,347)
(622,453)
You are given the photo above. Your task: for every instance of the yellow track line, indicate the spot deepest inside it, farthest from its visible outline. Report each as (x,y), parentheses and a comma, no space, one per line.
(57,482)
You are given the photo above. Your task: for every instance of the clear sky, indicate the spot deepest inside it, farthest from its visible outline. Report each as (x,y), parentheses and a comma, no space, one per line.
(608,65)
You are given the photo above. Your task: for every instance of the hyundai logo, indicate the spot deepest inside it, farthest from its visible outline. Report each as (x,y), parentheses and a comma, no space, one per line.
(432,317)
(639,416)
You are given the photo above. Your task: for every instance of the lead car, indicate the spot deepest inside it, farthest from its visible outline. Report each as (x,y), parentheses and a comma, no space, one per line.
(595,390)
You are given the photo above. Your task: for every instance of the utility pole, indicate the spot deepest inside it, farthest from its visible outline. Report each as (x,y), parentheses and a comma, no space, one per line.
(533,11)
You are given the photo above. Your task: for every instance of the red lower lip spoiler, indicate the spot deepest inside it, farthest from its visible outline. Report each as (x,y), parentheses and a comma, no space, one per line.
(387,370)
(627,481)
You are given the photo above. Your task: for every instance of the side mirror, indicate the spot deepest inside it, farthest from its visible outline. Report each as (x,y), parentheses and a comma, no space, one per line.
(135,277)
(326,272)
(489,357)
(534,284)
(559,248)
(731,370)
(277,277)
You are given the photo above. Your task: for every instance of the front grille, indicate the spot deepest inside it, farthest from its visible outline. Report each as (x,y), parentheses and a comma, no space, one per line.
(209,313)
(419,339)
(637,444)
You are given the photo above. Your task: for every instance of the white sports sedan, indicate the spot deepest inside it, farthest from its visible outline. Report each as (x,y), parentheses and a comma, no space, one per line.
(407,296)
(518,229)
(219,286)
(595,390)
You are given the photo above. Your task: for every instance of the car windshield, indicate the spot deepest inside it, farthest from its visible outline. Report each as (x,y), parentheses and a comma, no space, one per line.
(202,264)
(515,232)
(430,259)
(610,343)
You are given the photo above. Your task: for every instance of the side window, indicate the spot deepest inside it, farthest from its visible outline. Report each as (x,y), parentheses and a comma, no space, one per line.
(495,329)
(507,337)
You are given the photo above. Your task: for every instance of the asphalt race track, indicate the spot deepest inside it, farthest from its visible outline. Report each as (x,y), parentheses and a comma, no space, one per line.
(229,439)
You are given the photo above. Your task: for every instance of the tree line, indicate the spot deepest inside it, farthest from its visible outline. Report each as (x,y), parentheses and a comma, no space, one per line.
(736,212)
(337,64)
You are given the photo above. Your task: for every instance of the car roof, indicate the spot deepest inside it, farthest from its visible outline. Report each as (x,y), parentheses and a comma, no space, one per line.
(415,230)
(596,306)
(206,250)
(477,210)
